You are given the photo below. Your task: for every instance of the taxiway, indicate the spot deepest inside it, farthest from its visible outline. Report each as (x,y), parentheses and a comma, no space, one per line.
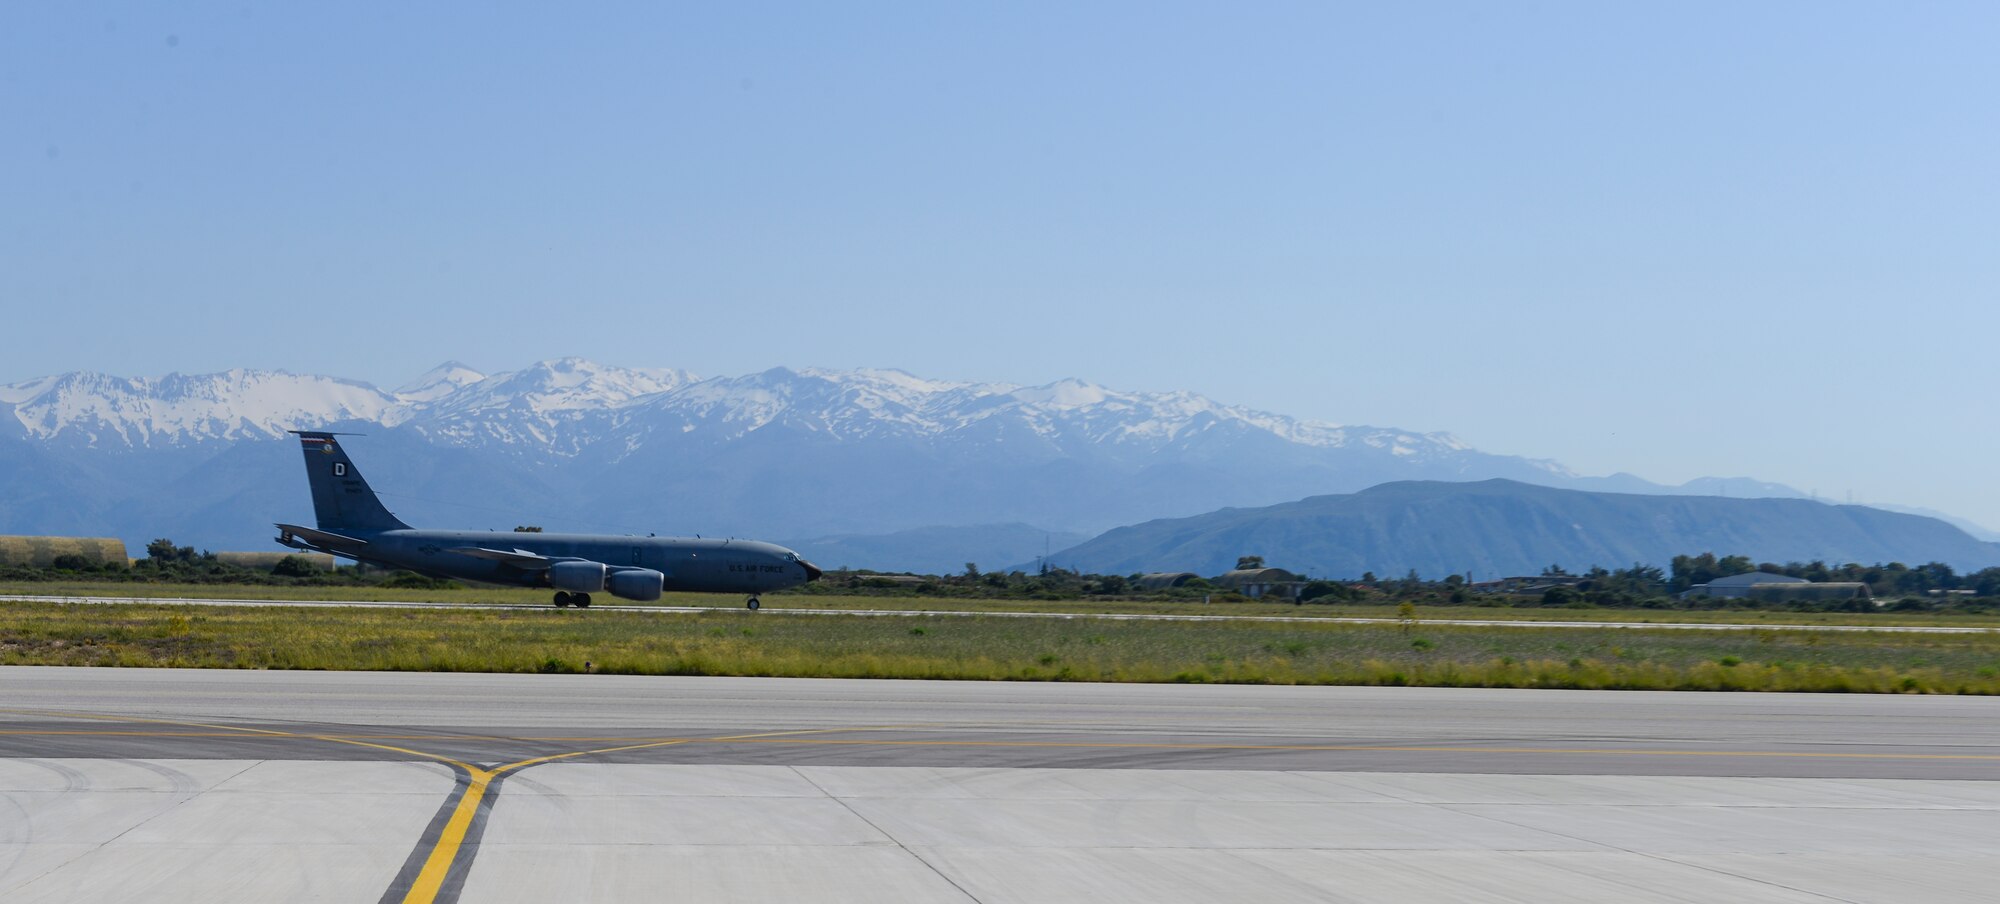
(205,785)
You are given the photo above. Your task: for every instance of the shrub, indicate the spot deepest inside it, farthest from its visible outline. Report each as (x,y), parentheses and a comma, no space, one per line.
(295,567)
(1331,591)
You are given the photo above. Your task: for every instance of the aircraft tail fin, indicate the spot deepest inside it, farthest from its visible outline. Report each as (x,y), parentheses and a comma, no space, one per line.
(341,498)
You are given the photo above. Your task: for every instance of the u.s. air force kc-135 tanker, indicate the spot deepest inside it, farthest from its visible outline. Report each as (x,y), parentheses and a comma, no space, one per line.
(354,525)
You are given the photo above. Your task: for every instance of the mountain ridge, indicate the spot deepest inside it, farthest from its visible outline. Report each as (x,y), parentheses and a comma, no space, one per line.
(806,452)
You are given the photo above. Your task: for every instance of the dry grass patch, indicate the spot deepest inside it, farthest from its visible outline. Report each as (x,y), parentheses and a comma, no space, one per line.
(732,642)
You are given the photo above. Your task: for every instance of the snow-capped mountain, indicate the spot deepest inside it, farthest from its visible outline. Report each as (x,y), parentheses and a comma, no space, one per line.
(573,444)
(438,382)
(102,411)
(561,407)
(452,401)
(553,408)
(1069,418)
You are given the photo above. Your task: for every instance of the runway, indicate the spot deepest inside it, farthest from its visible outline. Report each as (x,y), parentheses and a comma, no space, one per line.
(206,785)
(630,608)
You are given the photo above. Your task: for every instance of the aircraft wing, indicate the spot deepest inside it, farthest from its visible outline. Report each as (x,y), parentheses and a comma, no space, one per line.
(519,558)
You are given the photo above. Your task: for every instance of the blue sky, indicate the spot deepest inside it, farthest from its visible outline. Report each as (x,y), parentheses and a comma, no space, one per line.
(1679,240)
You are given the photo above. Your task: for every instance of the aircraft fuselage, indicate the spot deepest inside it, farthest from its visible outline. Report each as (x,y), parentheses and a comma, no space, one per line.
(690,564)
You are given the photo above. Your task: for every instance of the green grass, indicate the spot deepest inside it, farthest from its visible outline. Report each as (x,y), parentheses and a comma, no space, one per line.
(911,603)
(733,642)
(274,592)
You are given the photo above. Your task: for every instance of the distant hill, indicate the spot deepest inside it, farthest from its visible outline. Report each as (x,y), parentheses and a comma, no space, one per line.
(935,550)
(1494,528)
(1978,531)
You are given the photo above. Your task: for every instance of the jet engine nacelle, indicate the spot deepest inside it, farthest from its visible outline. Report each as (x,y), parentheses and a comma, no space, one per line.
(581,577)
(642,584)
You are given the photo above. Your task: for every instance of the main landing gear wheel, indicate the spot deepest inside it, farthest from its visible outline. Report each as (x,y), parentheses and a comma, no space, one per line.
(562,599)
(579,600)
(753,603)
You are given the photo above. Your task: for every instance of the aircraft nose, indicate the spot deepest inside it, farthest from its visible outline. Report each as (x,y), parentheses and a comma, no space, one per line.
(812,571)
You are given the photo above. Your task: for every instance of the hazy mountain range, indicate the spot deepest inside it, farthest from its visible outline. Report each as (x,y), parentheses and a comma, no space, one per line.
(844,457)
(939,550)
(1497,528)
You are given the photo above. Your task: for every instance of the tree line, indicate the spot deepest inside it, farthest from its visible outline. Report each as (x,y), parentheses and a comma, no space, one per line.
(1932,585)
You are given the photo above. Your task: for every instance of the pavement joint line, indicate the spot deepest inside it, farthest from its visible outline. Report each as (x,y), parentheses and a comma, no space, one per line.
(957,613)
(1456,808)
(129,830)
(450,857)
(1712,868)
(857,814)
(1656,857)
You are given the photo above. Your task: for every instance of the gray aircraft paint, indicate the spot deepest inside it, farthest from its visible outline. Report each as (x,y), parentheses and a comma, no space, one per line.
(353,524)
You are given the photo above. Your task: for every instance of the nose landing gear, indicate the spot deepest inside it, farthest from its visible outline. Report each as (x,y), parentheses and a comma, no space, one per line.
(753,603)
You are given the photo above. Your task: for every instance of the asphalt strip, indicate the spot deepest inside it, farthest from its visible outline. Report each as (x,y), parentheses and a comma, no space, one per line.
(950,613)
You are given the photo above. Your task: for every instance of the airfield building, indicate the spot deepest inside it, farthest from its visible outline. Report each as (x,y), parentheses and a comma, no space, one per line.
(42,552)
(1767,586)
(1165,580)
(1257,583)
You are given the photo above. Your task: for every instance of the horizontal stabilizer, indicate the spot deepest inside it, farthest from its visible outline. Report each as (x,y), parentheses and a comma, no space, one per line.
(317,537)
(519,558)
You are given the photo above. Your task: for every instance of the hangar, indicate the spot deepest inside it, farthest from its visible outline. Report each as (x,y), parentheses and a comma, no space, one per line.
(1257,583)
(1166,580)
(1767,586)
(42,552)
